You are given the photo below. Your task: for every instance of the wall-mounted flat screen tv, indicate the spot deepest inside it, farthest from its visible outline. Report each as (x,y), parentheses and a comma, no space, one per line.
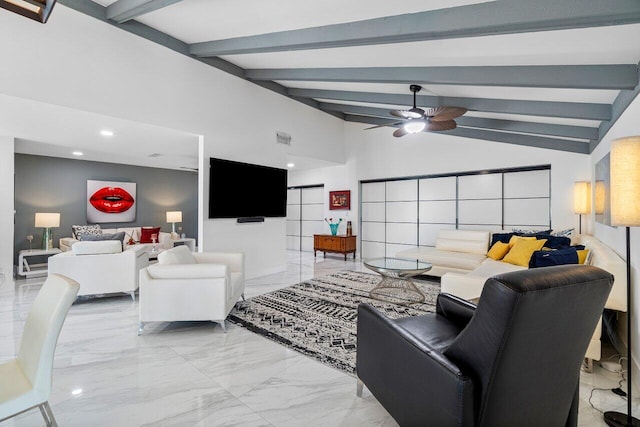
(239,190)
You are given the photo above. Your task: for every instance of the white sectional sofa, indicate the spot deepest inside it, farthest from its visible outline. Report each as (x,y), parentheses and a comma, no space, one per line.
(464,269)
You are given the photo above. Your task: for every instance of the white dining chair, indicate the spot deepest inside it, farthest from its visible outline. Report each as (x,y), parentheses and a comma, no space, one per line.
(25,382)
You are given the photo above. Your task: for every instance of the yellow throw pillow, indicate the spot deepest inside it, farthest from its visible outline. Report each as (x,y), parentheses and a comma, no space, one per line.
(498,250)
(514,239)
(521,252)
(583,254)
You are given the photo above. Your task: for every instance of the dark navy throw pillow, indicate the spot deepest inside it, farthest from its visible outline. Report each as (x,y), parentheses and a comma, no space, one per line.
(555,257)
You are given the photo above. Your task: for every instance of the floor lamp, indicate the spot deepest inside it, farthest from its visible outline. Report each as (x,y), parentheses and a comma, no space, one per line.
(582,200)
(625,211)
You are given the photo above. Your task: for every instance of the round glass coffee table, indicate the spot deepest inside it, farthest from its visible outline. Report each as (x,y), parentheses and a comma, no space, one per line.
(396,284)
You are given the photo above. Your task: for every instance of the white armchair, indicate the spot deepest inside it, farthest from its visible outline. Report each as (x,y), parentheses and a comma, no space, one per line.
(187,286)
(101,267)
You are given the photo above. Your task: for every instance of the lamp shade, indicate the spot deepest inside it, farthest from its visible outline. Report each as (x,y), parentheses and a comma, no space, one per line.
(625,181)
(582,197)
(174,216)
(47,220)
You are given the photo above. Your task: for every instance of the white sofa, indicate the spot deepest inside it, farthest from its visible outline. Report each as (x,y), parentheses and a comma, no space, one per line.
(186,286)
(101,267)
(467,282)
(164,239)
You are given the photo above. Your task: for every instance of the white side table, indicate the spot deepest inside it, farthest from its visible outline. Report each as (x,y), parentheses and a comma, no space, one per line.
(187,241)
(29,270)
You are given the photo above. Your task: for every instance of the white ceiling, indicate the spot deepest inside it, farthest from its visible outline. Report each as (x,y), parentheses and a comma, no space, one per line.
(197,21)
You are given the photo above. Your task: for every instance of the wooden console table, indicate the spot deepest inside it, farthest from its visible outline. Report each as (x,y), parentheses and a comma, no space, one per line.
(337,244)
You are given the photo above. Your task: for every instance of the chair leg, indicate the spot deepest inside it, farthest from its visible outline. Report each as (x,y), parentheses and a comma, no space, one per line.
(222,325)
(47,414)
(359,387)
(140,328)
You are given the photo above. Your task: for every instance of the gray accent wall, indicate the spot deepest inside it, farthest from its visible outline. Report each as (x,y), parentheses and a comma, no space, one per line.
(51,184)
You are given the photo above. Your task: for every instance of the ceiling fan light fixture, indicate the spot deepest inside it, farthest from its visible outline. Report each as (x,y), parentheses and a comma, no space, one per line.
(415,126)
(38,10)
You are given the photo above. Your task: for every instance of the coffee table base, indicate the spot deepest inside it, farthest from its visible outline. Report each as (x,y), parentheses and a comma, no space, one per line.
(398,290)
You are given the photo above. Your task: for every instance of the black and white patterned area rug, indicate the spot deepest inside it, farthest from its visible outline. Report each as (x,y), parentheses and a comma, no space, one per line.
(318,317)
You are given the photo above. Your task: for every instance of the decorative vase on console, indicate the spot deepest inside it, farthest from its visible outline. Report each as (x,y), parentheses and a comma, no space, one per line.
(333,225)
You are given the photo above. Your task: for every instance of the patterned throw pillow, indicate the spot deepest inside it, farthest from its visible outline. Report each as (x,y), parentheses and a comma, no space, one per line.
(564,233)
(99,237)
(78,230)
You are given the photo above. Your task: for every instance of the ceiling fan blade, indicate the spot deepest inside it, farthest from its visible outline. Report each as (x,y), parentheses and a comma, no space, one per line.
(384,125)
(434,126)
(442,114)
(414,113)
(399,132)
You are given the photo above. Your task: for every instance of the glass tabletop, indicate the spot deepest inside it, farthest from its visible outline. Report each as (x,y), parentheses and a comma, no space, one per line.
(397,264)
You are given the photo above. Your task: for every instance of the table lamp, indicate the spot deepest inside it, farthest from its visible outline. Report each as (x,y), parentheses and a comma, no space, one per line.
(47,221)
(625,211)
(582,200)
(173,217)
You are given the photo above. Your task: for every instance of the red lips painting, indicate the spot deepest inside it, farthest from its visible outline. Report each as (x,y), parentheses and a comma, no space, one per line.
(112,200)
(109,201)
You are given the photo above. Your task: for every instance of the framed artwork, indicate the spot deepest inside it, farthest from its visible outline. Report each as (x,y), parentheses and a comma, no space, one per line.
(340,200)
(111,201)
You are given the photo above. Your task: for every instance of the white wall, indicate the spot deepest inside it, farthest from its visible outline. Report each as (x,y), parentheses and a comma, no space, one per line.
(6,207)
(627,125)
(375,154)
(82,63)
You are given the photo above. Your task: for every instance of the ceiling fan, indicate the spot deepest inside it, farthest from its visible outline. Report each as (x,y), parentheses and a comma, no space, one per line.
(424,120)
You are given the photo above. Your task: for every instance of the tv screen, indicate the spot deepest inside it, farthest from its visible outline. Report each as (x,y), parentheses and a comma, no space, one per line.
(244,190)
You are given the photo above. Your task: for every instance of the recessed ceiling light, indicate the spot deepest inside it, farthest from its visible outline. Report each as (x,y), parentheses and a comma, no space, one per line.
(78,153)
(76,391)
(105,132)
(290,165)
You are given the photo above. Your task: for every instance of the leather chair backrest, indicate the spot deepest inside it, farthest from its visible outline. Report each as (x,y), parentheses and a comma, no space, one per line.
(526,341)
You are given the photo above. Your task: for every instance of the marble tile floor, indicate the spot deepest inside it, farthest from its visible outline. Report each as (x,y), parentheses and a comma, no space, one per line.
(192,374)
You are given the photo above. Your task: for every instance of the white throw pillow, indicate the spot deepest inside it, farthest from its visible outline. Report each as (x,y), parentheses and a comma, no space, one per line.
(177,255)
(98,247)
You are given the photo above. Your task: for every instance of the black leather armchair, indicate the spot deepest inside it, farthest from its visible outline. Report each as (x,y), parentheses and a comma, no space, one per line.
(514,360)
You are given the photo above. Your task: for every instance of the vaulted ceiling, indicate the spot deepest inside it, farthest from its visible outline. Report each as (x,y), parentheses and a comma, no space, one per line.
(547,73)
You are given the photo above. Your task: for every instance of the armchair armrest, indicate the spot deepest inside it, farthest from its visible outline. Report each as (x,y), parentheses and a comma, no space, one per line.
(412,380)
(456,310)
(234,260)
(187,271)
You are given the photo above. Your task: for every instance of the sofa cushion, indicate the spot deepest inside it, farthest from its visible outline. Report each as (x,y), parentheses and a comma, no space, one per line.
(515,238)
(556,257)
(501,237)
(99,247)
(467,241)
(492,267)
(451,259)
(178,255)
(584,256)
(498,250)
(521,251)
(147,232)
(78,230)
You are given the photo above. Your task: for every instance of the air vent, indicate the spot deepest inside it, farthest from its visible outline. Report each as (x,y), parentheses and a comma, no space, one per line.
(283,138)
